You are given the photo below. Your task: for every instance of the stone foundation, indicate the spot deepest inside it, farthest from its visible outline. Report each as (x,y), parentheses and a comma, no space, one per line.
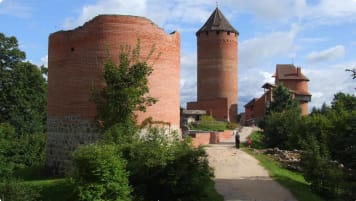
(64,135)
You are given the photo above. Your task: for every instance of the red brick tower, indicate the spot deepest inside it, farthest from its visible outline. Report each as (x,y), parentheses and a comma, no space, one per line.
(217,42)
(75,65)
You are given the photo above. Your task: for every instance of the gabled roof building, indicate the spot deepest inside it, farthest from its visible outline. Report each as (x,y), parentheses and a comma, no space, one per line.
(292,78)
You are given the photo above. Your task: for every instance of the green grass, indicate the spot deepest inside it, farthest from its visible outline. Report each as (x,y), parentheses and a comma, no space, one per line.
(294,181)
(53,189)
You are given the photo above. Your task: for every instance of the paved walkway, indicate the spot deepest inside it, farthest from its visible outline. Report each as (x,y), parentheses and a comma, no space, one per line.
(239,177)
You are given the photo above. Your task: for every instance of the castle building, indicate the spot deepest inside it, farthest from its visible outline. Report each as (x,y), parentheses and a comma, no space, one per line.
(217,42)
(75,65)
(292,78)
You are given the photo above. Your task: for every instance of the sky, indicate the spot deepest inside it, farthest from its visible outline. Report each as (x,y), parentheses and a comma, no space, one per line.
(317,35)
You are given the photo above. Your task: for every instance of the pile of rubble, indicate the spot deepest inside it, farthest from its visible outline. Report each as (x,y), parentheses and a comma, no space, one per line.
(289,159)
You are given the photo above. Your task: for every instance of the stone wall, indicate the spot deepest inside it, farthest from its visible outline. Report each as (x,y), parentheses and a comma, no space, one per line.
(64,135)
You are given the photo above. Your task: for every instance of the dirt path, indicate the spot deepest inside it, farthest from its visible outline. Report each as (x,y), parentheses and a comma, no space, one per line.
(238,176)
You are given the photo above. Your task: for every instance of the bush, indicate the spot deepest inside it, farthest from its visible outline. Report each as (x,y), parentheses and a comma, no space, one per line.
(99,173)
(208,123)
(325,176)
(17,152)
(162,167)
(14,190)
(231,125)
(281,129)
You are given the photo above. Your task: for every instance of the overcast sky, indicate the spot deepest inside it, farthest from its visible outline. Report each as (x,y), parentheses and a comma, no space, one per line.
(317,35)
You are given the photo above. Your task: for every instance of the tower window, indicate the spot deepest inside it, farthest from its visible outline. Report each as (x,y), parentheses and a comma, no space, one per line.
(207,33)
(72,49)
(228,33)
(217,32)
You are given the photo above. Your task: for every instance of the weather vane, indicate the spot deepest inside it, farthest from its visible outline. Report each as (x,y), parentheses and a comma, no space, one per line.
(217,4)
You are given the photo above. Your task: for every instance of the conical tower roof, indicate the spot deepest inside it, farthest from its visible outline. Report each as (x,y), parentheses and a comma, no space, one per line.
(217,22)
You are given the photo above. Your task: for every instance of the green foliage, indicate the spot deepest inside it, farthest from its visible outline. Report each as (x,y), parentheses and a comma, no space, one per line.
(231,125)
(282,100)
(17,152)
(281,129)
(162,167)
(14,190)
(126,88)
(353,72)
(22,90)
(318,169)
(330,138)
(100,174)
(208,123)
(257,140)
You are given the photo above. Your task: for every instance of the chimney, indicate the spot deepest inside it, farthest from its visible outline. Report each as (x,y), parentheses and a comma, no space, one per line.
(298,71)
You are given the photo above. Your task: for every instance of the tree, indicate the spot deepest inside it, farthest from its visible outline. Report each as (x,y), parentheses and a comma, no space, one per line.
(282,120)
(23,90)
(125,90)
(353,72)
(282,99)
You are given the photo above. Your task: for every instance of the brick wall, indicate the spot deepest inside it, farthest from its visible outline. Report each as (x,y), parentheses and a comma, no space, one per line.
(204,138)
(218,108)
(75,64)
(217,68)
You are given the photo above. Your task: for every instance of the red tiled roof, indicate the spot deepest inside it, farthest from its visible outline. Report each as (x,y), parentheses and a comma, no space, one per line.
(289,72)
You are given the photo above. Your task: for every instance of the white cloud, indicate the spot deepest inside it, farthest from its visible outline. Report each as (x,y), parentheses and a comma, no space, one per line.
(44,61)
(13,8)
(330,54)
(250,83)
(254,52)
(270,9)
(326,81)
(188,81)
(159,11)
(132,7)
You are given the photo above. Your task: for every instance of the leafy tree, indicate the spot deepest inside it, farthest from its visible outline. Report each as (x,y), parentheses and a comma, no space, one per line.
(353,71)
(19,151)
(22,90)
(125,90)
(282,100)
(330,138)
(100,174)
(282,120)
(281,129)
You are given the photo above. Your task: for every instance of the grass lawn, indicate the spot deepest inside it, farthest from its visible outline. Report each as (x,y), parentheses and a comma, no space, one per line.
(53,189)
(294,181)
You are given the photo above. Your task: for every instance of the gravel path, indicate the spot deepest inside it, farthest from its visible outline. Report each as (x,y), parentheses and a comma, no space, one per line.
(239,177)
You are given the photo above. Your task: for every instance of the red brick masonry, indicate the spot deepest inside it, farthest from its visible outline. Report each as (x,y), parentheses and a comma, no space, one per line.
(204,138)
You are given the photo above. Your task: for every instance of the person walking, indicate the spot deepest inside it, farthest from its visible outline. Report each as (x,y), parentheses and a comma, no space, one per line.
(249,141)
(237,139)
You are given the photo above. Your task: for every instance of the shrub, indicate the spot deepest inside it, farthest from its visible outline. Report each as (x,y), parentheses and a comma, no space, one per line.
(17,152)
(99,173)
(162,167)
(208,123)
(281,129)
(14,190)
(231,125)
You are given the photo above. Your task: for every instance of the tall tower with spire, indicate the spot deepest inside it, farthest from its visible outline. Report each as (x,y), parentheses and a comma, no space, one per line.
(217,42)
